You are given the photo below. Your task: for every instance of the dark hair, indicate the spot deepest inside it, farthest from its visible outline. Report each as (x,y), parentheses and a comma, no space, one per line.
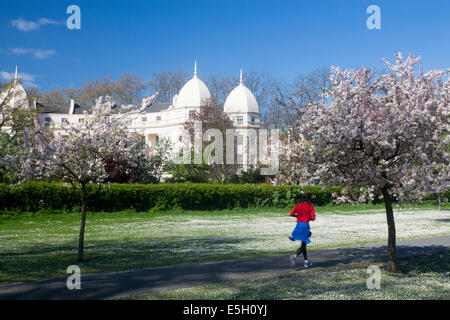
(306,197)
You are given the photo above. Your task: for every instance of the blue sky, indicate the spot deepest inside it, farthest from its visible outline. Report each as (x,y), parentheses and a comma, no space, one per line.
(284,38)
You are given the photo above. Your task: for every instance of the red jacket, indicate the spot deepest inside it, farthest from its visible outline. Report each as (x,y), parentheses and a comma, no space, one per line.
(304,212)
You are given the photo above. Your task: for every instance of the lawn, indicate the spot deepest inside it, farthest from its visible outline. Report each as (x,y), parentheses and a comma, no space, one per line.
(426,278)
(42,246)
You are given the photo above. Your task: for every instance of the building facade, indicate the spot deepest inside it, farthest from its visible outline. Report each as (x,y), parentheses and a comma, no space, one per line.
(157,120)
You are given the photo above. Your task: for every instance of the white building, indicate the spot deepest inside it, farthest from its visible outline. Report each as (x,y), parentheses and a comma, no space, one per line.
(159,120)
(15,95)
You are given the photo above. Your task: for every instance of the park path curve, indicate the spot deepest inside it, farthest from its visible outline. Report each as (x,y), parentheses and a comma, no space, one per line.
(138,282)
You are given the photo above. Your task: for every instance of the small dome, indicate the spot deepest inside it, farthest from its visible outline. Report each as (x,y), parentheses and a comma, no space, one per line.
(193,94)
(241,100)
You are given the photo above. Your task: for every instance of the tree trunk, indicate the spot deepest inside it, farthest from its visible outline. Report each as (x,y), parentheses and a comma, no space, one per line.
(392,256)
(83,222)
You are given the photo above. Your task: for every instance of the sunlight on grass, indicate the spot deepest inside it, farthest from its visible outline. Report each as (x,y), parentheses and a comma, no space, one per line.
(42,245)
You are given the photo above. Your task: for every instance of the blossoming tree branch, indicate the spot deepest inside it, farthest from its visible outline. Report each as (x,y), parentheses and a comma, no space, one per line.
(386,133)
(79,156)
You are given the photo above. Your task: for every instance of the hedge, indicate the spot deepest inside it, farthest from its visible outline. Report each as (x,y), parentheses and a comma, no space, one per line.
(35,196)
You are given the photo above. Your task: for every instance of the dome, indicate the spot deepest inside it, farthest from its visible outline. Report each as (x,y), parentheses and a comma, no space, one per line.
(193,94)
(16,96)
(241,100)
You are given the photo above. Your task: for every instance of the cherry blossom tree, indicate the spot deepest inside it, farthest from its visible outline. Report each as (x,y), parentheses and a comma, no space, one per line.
(79,155)
(387,133)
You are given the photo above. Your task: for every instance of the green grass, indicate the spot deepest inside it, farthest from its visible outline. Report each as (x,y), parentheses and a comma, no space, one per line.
(425,278)
(42,245)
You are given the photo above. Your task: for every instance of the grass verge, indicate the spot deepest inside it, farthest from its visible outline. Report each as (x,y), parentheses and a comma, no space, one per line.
(42,245)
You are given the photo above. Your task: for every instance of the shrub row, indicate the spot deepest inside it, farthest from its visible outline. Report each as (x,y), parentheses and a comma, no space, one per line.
(35,196)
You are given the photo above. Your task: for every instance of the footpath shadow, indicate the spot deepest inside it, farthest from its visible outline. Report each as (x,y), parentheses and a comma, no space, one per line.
(101,256)
(327,258)
(132,283)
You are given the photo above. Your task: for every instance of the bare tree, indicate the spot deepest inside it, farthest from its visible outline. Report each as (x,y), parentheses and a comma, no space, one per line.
(168,84)
(128,89)
(312,87)
(54,96)
(90,91)
(34,93)
(69,93)
(278,112)
(220,87)
(260,84)
(287,100)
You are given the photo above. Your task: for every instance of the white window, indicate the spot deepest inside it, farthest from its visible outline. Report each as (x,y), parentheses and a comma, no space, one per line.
(253,119)
(158,118)
(240,119)
(64,120)
(144,119)
(191,113)
(80,120)
(47,119)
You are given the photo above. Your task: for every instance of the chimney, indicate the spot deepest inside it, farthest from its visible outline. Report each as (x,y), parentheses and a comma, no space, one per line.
(72,106)
(34,107)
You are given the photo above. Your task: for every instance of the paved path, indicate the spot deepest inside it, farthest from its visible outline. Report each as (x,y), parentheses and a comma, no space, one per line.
(131,283)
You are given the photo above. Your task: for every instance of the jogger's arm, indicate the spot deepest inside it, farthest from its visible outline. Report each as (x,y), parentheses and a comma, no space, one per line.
(293,212)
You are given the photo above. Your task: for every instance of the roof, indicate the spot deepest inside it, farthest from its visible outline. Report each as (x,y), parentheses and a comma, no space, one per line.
(157,107)
(79,109)
(193,94)
(241,100)
(60,108)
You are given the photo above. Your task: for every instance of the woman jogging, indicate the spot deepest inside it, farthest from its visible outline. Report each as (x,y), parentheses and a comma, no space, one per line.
(304,212)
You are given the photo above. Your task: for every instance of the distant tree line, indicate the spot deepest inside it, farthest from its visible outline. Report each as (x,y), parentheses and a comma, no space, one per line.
(279,100)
